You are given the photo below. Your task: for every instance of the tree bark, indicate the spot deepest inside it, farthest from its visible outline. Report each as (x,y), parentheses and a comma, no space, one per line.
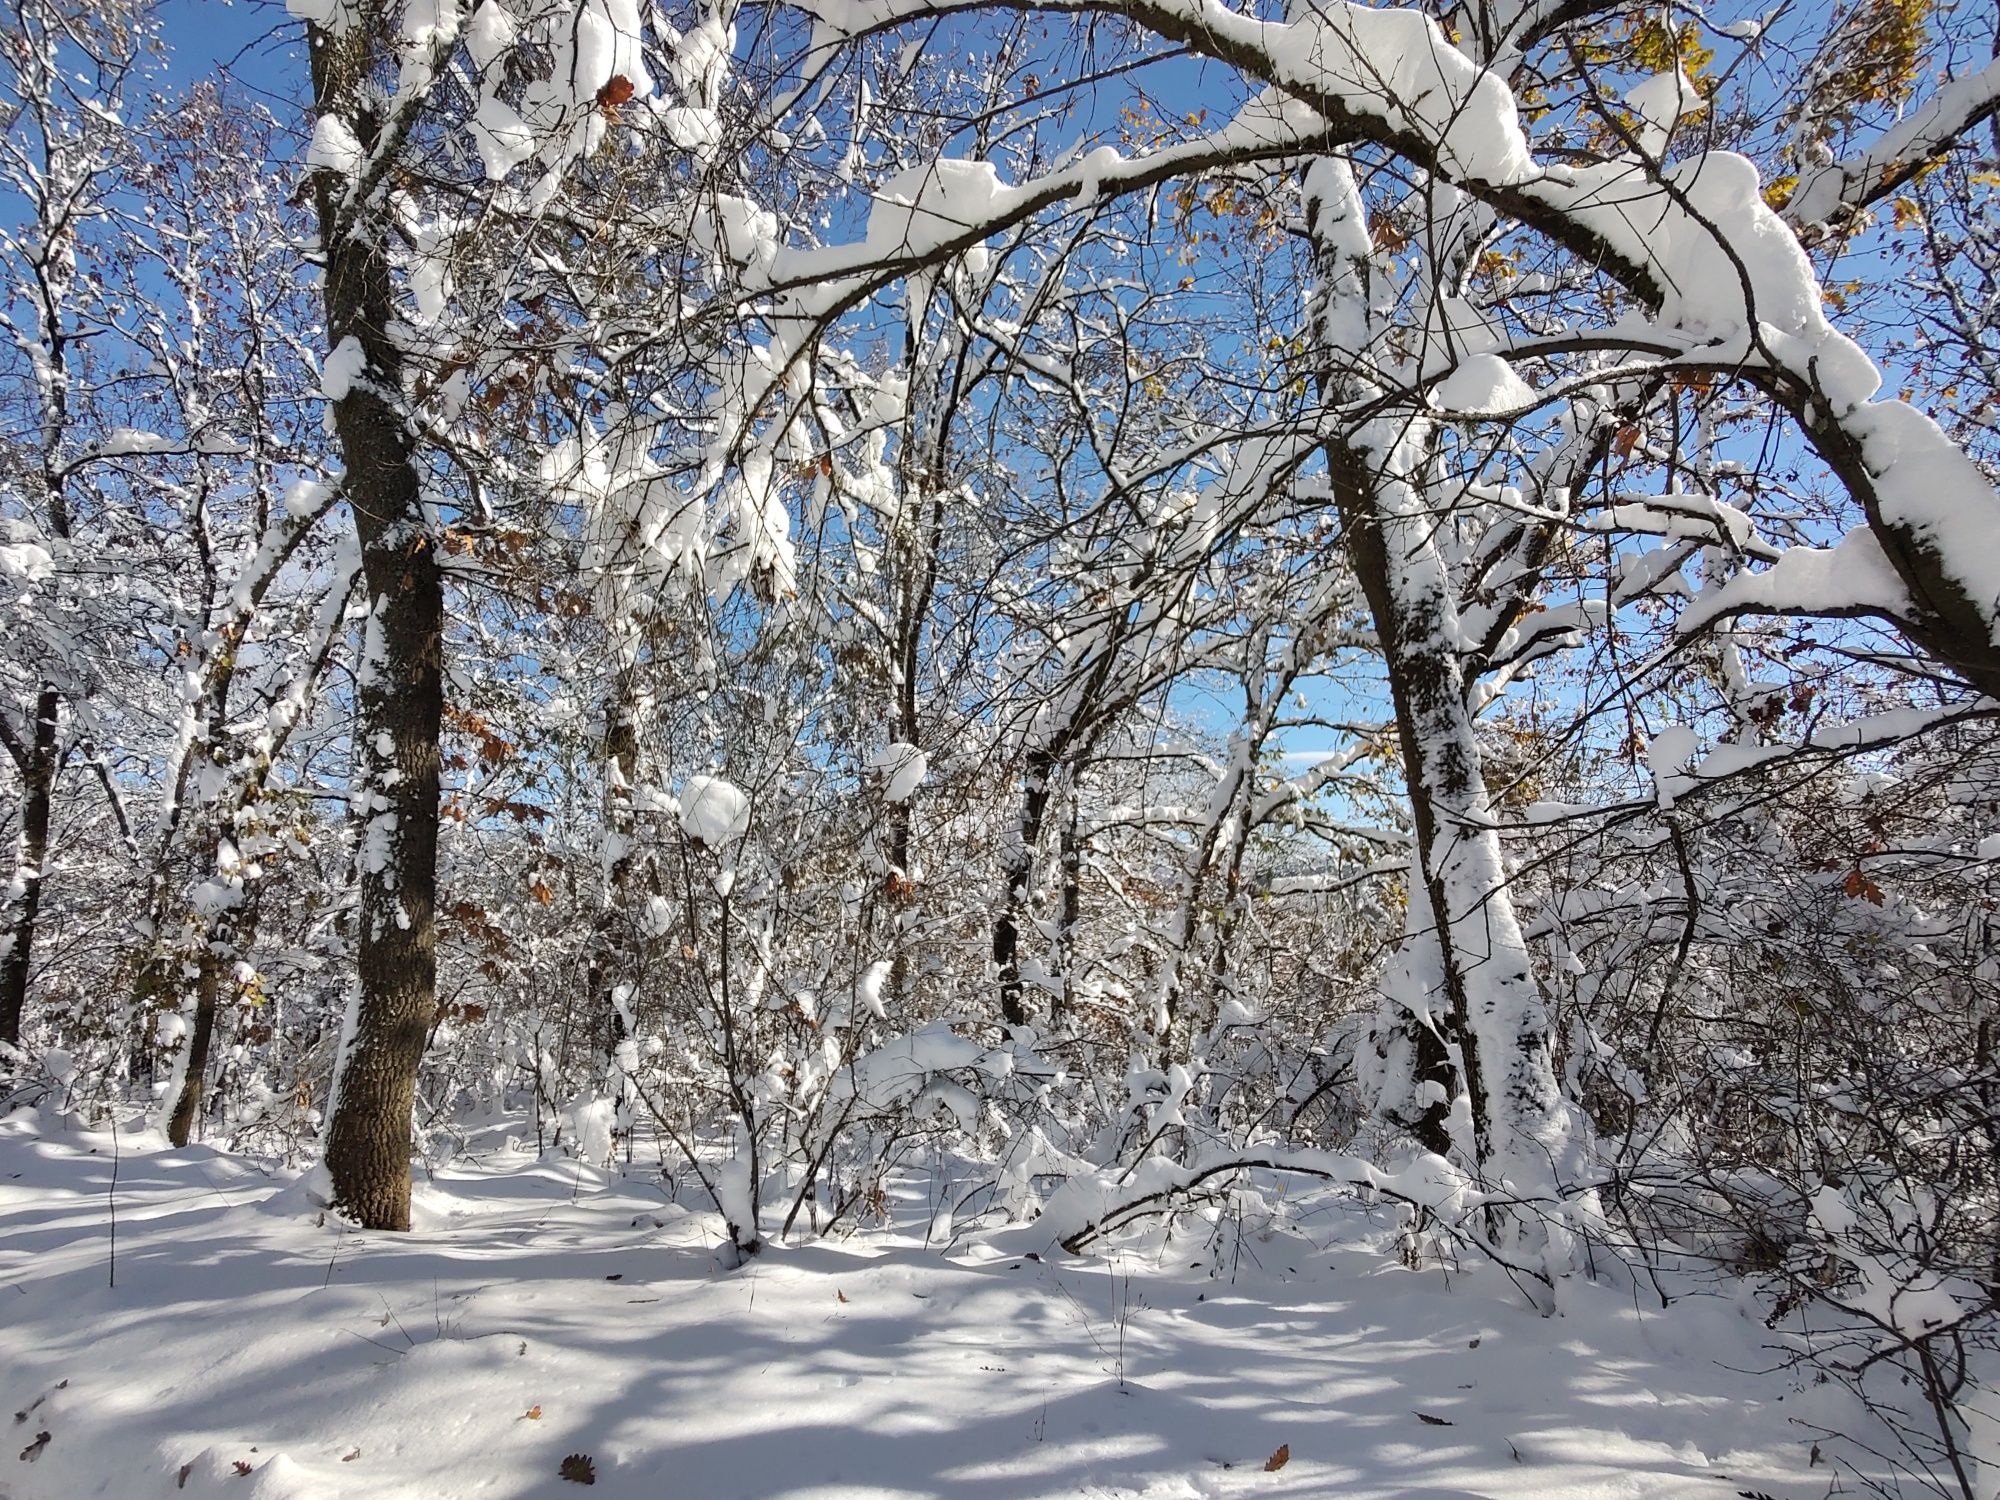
(208,987)
(38,779)
(615,956)
(1018,871)
(401,683)
(1496,1013)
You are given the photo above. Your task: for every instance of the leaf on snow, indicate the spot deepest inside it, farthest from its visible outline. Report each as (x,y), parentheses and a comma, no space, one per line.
(1430,1421)
(1279,1459)
(578,1469)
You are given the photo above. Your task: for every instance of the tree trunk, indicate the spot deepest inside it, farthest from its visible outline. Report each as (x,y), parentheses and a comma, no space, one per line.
(401,687)
(614,961)
(38,779)
(208,987)
(1019,870)
(1522,1127)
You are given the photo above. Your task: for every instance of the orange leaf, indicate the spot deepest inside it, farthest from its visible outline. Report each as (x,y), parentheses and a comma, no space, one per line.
(1279,1459)
(615,92)
(532,1414)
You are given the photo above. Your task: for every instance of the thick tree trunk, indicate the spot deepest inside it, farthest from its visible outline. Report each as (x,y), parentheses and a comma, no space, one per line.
(38,778)
(1496,1016)
(401,688)
(1473,962)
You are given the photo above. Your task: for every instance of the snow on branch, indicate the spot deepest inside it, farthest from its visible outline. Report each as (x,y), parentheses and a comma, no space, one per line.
(1836,191)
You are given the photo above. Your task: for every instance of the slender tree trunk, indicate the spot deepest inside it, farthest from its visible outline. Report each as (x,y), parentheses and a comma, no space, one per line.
(225,937)
(401,685)
(613,961)
(1070,861)
(915,587)
(38,777)
(1019,870)
(208,987)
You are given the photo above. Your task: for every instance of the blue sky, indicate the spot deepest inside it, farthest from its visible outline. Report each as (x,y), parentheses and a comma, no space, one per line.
(259,43)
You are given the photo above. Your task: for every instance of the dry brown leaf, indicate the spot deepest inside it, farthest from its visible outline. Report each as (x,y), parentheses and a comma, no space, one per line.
(1279,1459)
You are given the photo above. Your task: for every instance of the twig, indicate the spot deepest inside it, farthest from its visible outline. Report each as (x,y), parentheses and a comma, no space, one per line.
(111,1199)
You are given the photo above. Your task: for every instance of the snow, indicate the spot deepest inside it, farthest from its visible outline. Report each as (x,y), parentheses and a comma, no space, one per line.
(1483,385)
(925,207)
(1852,577)
(1925,482)
(124,442)
(489,34)
(588,1123)
(1661,103)
(696,130)
(501,137)
(1942,116)
(343,367)
(26,561)
(903,767)
(607,36)
(1668,756)
(306,497)
(545,1307)
(334,148)
(713,811)
(333,15)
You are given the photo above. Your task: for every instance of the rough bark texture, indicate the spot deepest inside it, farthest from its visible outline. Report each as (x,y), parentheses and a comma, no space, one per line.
(1368,554)
(401,691)
(1019,870)
(1497,1017)
(38,777)
(616,956)
(208,986)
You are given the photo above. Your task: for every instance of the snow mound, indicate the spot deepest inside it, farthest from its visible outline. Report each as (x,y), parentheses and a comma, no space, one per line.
(713,811)
(903,768)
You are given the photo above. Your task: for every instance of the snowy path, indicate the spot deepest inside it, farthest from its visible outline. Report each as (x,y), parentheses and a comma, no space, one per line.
(343,1364)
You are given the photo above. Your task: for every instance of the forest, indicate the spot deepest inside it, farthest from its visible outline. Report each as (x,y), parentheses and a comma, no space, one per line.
(1088,637)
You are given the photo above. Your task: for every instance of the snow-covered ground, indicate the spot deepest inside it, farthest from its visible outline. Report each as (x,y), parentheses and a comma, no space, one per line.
(543,1310)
